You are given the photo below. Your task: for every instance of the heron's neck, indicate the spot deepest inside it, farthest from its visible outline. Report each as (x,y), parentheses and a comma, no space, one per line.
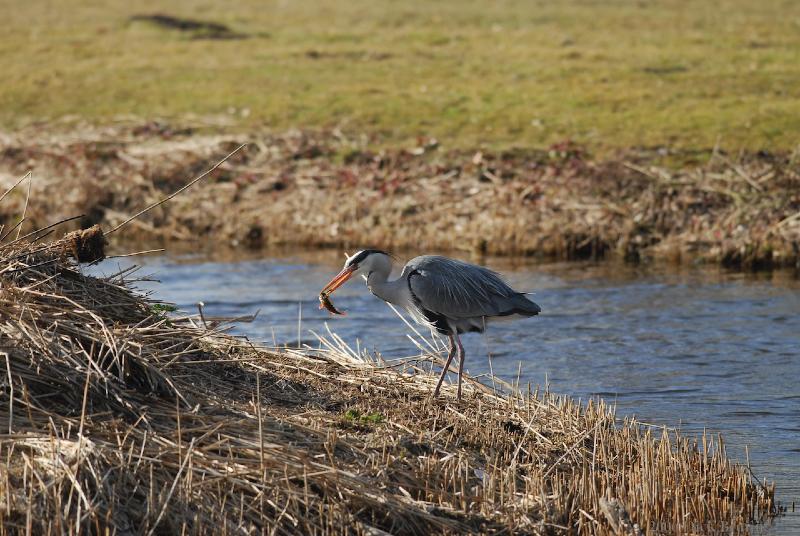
(391,291)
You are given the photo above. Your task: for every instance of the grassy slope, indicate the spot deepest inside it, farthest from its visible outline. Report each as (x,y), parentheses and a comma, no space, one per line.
(608,73)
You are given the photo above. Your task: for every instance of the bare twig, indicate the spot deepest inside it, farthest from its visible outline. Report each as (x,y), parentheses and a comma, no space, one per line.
(177,192)
(27,200)
(26,176)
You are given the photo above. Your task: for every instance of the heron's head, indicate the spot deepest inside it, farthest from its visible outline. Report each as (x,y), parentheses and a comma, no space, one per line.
(362,263)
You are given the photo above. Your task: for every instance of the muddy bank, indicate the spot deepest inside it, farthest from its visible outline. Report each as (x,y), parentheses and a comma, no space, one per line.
(325,189)
(121,416)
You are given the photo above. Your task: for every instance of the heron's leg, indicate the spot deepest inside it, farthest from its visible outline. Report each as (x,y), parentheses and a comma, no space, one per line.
(460,363)
(450,357)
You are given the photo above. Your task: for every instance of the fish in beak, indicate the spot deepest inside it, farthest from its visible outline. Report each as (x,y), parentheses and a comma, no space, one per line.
(335,283)
(325,301)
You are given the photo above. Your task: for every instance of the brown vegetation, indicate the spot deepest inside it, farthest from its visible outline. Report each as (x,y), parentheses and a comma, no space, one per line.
(119,417)
(323,189)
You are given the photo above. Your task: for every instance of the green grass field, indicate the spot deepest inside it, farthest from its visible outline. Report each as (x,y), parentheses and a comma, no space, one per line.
(607,73)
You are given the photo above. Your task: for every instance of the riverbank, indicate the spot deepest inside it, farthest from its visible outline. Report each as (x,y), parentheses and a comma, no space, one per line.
(123,415)
(328,189)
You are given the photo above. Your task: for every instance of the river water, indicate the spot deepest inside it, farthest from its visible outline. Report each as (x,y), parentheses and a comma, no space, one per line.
(689,348)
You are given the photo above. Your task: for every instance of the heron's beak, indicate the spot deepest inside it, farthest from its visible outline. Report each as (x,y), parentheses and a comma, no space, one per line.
(339,280)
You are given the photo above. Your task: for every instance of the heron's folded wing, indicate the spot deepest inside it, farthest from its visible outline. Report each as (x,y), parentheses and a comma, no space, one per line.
(461,290)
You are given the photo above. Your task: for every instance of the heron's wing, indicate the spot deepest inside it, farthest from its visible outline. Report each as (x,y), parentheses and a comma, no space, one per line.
(461,290)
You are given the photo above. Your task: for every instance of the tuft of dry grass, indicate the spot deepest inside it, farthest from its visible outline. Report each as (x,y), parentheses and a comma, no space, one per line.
(118,418)
(325,189)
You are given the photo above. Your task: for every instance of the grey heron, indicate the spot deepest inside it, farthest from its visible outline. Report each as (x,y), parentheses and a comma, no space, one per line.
(448,295)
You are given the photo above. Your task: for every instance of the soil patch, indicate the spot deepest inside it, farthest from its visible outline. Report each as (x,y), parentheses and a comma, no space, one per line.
(196,28)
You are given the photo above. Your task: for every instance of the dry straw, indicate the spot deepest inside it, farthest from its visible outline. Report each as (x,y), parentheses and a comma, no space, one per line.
(322,189)
(118,418)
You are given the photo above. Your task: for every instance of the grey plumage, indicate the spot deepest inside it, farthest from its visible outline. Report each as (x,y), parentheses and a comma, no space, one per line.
(448,295)
(466,295)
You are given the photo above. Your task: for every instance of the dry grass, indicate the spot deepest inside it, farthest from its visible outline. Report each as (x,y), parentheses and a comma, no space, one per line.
(325,189)
(120,419)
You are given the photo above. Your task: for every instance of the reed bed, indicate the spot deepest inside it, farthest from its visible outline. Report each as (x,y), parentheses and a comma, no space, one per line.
(118,418)
(328,189)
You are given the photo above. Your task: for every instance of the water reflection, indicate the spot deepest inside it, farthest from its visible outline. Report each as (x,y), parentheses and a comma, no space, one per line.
(685,347)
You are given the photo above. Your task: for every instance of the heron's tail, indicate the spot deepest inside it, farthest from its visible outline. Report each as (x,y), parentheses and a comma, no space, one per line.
(519,304)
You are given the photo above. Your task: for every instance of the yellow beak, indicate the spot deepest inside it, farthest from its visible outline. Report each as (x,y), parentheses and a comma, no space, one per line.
(339,280)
